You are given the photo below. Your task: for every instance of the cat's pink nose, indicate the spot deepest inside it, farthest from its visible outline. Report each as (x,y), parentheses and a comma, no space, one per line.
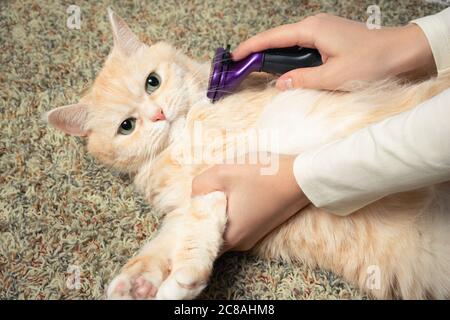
(159,115)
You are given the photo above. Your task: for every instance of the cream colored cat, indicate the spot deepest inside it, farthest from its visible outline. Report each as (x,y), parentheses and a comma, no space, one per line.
(142,113)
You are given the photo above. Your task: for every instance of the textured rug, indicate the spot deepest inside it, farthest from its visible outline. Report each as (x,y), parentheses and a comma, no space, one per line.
(63,216)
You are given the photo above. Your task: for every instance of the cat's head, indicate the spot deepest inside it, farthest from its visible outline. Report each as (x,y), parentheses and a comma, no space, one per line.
(130,111)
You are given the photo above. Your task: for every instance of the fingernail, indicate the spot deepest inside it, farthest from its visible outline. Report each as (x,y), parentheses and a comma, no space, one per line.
(288,84)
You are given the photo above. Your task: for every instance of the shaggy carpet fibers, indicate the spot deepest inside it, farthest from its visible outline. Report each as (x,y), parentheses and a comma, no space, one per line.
(63,215)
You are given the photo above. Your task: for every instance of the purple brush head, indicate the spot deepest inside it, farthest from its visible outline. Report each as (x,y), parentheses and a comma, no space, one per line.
(226,75)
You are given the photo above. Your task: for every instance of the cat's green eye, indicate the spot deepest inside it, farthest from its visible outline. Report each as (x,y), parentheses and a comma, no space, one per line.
(127,126)
(152,83)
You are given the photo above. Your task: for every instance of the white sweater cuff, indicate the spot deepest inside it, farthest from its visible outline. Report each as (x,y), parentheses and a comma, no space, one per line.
(306,171)
(437,30)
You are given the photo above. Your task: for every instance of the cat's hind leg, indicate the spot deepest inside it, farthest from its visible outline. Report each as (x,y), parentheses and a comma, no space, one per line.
(178,262)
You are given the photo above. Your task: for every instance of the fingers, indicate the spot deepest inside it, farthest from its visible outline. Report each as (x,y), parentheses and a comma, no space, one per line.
(208,181)
(236,236)
(302,78)
(313,78)
(280,37)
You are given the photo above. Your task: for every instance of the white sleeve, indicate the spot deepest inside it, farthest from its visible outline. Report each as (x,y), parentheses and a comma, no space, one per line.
(401,153)
(437,31)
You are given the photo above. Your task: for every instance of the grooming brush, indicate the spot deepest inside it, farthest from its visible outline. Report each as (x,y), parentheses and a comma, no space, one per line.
(226,74)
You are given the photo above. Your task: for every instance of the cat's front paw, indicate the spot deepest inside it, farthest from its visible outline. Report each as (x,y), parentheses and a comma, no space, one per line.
(182,284)
(139,279)
(143,278)
(124,287)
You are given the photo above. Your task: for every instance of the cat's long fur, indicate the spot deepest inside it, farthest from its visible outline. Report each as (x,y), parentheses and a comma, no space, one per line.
(406,236)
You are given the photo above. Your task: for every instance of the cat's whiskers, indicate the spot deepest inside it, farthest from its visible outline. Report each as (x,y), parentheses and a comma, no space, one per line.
(175,98)
(195,75)
(151,150)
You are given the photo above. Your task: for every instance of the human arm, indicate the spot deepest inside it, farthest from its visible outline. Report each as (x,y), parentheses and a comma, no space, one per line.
(402,153)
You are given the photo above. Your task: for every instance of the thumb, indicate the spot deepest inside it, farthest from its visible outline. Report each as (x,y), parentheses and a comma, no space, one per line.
(312,78)
(208,181)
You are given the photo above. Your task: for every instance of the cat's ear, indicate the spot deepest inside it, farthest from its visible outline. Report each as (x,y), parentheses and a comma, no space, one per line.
(124,39)
(70,119)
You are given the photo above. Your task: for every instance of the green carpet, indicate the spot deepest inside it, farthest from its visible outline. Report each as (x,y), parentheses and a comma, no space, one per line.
(60,208)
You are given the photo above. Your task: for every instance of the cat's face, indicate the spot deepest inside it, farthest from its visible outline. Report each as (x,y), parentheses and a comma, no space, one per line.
(142,90)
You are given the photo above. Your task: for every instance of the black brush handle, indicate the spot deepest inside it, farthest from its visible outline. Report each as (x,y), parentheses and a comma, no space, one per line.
(279,61)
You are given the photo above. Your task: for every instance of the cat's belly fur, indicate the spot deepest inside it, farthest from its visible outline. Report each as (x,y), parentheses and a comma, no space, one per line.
(289,120)
(298,121)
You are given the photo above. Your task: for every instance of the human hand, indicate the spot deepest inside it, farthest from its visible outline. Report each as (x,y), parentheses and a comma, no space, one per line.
(350,52)
(256,203)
